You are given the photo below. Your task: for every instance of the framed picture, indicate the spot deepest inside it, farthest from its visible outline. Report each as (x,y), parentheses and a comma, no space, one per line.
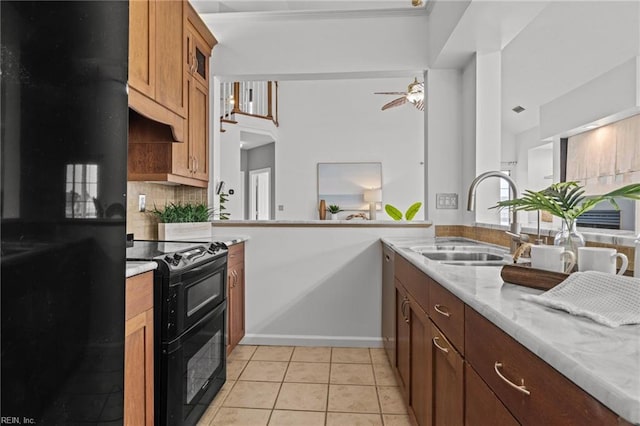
(344,184)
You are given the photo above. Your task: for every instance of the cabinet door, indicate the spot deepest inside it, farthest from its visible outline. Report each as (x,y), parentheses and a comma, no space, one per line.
(420,359)
(170,47)
(388,304)
(236,318)
(138,351)
(402,339)
(142,31)
(199,129)
(482,406)
(447,381)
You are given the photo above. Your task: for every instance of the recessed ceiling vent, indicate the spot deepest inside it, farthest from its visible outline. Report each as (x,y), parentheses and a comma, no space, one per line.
(518,109)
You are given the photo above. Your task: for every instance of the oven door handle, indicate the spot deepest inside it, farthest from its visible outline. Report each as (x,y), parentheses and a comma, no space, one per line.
(173,345)
(204,271)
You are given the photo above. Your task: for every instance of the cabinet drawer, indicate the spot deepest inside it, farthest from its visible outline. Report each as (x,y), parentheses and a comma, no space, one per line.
(447,312)
(532,390)
(138,294)
(414,281)
(236,254)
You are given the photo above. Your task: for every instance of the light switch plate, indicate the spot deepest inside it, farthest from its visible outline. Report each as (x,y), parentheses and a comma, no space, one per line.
(142,202)
(447,201)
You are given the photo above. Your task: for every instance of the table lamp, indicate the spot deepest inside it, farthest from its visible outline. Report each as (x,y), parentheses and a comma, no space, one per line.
(373,196)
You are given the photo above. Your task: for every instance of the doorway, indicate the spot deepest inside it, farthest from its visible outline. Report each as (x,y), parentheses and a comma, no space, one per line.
(260,194)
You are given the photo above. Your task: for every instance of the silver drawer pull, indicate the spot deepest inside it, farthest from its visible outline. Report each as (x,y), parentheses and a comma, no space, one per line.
(439,310)
(435,343)
(497,366)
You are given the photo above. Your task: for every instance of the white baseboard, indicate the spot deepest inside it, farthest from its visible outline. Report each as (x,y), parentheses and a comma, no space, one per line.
(295,340)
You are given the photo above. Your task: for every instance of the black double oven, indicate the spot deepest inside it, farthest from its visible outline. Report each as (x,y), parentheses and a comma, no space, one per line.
(190,313)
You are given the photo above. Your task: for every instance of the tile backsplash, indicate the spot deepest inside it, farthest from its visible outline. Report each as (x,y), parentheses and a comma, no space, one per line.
(144,225)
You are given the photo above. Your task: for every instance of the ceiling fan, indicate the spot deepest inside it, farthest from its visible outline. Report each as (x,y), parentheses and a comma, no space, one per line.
(413,95)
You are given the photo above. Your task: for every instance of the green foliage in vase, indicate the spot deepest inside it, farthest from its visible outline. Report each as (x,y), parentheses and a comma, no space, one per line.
(224,197)
(333,209)
(567,201)
(396,214)
(181,213)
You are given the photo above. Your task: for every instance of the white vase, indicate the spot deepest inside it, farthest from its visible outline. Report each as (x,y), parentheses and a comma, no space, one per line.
(184,231)
(334,216)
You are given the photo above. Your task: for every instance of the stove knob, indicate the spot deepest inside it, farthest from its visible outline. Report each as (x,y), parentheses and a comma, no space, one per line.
(169,260)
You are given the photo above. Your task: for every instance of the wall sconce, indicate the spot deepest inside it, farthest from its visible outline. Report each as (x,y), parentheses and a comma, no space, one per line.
(373,196)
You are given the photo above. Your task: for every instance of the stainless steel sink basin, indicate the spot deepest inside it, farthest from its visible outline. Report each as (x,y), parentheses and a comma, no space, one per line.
(469,256)
(464,253)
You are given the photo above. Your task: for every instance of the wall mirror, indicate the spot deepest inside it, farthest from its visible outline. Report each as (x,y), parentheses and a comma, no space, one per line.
(344,184)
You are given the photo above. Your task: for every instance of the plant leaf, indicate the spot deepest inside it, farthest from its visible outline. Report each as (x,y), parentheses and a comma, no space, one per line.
(393,212)
(412,210)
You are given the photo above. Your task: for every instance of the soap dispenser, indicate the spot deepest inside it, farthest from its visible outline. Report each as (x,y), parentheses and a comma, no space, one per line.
(636,264)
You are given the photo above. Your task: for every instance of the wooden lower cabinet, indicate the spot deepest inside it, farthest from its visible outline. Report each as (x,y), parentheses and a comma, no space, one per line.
(403,330)
(455,367)
(447,381)
(235,296)
(138,351)
(533,391)
(482,407)
(420,361)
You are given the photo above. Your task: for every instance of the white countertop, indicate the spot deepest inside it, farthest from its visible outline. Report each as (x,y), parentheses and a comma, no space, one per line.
(603,361)
(139,267)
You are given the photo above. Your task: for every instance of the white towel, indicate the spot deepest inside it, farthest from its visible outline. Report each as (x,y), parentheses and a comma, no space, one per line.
(608,299)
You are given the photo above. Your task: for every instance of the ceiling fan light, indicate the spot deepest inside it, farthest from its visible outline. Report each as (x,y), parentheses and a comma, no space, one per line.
(416,3)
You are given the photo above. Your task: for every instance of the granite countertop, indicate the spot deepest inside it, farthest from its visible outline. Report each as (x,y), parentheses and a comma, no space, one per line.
(603,361)
(139,267)
(324,223)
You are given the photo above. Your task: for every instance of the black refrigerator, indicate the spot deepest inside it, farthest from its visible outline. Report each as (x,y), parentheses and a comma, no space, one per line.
(64,121)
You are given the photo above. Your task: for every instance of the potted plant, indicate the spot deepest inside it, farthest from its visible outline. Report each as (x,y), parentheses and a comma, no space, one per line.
(179,221)
(334,209)
(566,200)
(395,213)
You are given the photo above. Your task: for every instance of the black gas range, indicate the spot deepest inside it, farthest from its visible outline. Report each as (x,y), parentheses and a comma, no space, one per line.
(189,326)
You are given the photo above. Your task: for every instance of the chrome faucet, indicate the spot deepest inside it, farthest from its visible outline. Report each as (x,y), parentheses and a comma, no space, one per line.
(514,230)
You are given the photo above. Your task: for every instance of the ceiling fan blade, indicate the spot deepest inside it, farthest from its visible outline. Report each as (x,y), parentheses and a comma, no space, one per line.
(389,93)
(419,105)
(394,103)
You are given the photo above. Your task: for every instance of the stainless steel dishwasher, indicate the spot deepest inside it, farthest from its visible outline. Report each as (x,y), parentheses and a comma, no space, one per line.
(388,303)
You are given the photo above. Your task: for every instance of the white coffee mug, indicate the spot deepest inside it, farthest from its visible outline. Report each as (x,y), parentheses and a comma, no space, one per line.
(552,258)
(601,259)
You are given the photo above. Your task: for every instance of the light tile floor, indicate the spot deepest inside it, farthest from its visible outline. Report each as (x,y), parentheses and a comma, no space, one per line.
(302,386)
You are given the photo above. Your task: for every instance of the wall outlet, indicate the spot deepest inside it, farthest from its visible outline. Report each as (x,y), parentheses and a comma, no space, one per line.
(280,207)
(142,202)
(447,201)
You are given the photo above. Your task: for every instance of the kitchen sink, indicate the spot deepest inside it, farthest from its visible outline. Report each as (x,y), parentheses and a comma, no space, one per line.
(464,253)
(470,256)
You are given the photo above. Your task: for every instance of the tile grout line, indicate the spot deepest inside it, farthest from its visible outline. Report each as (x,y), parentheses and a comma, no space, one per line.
(280,387)
(375,381)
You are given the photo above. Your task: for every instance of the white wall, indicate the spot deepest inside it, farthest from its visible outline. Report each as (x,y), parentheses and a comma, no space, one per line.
(468,134)
(488,132)
(611,93)
(300,45)
(341,121)
(230,170)
(314,285)
(444,143)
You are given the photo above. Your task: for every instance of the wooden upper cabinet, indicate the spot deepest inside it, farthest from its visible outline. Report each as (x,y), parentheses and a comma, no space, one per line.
(170,79)
(170,49)
(142,30)
(199,129)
